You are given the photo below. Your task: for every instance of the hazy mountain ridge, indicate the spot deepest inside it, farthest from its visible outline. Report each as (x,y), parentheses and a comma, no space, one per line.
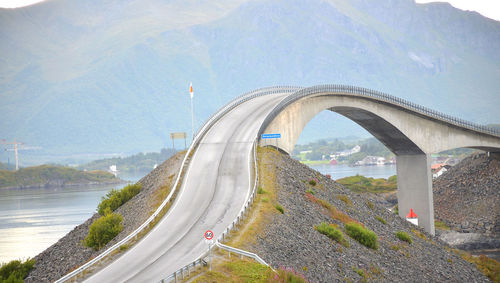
(112,76)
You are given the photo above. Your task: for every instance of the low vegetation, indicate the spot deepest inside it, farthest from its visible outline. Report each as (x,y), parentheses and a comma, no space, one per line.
(345,199)
(241,270)
(279,208)
(115,198)
(331,232)
(15,270)
(488,266)
(46,174)
(103,230)
(361,234)
(441,225)
(362,184)
(141,162)
(334,213)
(382,220)
(403,236)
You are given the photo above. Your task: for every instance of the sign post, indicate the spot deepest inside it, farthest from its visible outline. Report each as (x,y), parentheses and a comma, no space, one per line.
(271,136)
(174,136)
(209,235)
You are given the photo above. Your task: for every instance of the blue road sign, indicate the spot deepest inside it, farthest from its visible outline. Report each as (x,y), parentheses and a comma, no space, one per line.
(270,136)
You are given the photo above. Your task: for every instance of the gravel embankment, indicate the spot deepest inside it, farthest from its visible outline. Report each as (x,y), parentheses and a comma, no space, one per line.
(69,252)
(290,239)
(467,197)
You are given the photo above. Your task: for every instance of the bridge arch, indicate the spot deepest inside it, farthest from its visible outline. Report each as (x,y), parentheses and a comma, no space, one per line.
(410,131)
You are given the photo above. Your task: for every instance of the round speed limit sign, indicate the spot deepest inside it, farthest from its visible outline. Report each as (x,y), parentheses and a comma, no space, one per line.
(209,235)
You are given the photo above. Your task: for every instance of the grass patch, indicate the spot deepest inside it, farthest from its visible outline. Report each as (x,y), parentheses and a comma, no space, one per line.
(331,232)
(370,205)
(345,199)
(309,191)
(441,225)
(403,236)
(241,270)
(124,247)
(263,209)
(487,266)
(261,191)
(362,184)
(333,212)
(279,208)
(115,198)
(361,273)
(382,220)
(361,234)
(312,182)
(419,234)
(16,270)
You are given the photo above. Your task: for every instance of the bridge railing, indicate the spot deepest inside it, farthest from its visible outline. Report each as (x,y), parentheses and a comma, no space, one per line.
(377,95)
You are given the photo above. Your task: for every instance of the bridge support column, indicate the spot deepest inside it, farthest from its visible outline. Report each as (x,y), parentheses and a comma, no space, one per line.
(415,188)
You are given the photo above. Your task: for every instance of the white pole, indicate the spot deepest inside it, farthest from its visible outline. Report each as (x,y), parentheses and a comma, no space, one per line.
(209,258)
(15,151)
(192,118)
(192,112)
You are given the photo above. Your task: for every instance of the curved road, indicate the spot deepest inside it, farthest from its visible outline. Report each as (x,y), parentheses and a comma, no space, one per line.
(215,188)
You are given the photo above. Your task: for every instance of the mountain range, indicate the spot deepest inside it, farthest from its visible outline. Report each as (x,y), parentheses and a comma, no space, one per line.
(79,78)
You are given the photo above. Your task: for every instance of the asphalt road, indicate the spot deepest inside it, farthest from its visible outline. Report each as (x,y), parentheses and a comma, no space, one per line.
(215,188)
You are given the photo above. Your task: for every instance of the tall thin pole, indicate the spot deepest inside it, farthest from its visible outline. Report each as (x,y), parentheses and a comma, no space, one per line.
(15,151)
(192,118)
(192,112)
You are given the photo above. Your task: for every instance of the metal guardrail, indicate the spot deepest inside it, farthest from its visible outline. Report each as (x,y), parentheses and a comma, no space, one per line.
(242,253)
(199,134)
(200,260)
(228,107)
(335,89)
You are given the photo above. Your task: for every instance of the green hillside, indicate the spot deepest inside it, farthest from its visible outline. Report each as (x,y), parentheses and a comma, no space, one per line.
(79,77)
(47,175)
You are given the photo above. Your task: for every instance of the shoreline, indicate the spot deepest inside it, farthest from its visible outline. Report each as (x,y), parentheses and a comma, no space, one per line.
(62,184)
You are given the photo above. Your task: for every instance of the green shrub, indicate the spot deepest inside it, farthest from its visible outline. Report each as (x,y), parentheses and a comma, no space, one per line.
(332,233)
(115,198)
(279,208)
(382,220)
(312,182)
(15,270)
(103,230)
(403,236)
(261,191)
(364,236)
(311,192)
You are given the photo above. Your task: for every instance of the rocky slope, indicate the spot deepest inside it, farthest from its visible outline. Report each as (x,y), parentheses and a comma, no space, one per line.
(467,197)
(69,252)
(291,240)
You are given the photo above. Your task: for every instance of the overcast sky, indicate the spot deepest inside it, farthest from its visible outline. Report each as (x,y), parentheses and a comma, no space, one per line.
(488,8)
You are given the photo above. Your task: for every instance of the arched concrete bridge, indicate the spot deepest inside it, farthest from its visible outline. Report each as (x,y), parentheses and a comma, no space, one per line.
(410,131)
(219,180)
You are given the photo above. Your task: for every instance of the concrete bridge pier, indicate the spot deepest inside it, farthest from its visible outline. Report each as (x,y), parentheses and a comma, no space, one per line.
(415,189)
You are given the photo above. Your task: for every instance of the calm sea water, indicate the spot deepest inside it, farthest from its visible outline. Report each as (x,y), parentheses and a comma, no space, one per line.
(341,171)
(31,220)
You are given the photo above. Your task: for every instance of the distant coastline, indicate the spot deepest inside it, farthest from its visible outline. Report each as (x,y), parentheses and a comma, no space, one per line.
(48,176)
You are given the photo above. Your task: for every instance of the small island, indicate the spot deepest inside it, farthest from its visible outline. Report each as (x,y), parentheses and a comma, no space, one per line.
(53,176)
